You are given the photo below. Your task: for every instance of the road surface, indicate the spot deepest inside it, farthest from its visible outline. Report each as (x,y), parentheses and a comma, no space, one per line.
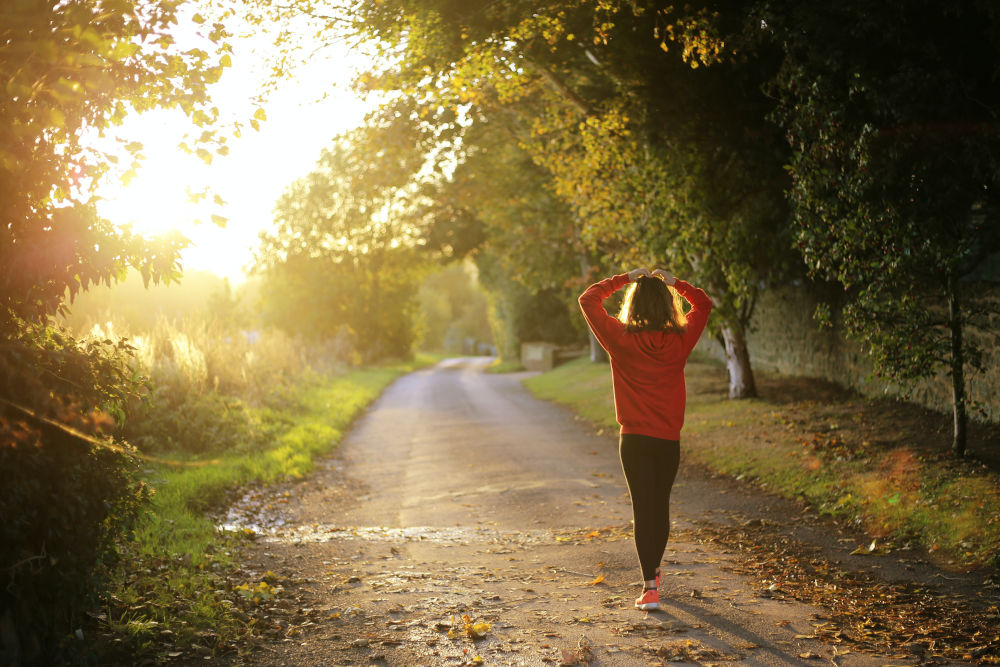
(458,494)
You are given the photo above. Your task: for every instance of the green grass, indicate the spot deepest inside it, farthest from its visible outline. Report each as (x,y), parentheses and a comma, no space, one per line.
(175,581)
(817,447)
(584,386)
(505,366)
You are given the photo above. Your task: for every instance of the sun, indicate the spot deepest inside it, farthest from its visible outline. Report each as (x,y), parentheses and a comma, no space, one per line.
(156,200)
(159,199)
(302,118)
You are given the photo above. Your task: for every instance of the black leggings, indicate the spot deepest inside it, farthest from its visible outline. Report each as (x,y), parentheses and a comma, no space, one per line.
(650,466)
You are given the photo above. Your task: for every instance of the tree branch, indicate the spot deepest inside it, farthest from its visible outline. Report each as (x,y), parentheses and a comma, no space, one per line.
(557,86)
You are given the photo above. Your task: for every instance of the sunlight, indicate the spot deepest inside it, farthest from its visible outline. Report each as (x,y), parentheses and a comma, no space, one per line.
(303,116)
(156,201)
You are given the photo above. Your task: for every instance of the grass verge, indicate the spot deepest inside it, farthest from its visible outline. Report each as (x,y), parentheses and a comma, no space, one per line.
(499,365)
(881,465)
(178,592)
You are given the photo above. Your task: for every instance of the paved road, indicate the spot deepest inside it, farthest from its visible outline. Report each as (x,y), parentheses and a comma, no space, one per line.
(458,493)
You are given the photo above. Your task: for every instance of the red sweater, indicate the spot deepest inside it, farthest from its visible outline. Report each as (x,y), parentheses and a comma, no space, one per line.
(647,367)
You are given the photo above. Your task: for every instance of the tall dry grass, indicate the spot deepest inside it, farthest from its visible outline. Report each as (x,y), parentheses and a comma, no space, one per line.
(213,388)
(200,355)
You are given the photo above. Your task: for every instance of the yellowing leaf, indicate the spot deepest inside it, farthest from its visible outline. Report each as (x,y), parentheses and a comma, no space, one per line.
(597,580)
(474,630)
(260,114)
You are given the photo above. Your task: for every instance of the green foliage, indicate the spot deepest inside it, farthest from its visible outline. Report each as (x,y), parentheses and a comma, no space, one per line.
(71,71)
(520,314)
(528,258)
(453,309)
(342,257)
(68,493)
(67,68)
(632,172)
(195,423)
(522,223)
(895,173)
(64,509)
(203,379)
(136,307)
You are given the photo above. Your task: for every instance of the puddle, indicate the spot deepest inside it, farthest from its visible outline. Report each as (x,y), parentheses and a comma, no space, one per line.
(278,531)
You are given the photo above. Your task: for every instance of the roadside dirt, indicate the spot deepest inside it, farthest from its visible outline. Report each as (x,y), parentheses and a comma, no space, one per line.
(464,522)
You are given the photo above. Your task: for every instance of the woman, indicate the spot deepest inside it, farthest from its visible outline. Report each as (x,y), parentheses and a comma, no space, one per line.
(649,344)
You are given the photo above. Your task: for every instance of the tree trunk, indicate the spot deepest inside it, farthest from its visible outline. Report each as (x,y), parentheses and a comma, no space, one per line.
(597,353)
(957,368)
(741,382)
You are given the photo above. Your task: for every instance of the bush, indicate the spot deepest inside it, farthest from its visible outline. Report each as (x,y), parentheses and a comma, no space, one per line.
(206,383)
(66,497)
(63,507)
(195,423)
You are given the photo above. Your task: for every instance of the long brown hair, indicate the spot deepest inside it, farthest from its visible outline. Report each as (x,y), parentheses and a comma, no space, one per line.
(651,305)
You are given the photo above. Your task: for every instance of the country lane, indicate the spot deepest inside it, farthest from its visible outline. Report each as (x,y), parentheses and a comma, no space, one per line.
(462,521)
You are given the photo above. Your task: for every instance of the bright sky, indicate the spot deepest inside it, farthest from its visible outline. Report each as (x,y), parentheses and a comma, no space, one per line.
(259,167)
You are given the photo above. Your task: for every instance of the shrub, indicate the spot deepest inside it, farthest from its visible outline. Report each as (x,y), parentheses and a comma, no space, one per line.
(63,507)
(194,423)
(68,495)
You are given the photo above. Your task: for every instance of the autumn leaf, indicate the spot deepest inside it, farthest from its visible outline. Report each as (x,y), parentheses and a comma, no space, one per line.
(474,630)
(597,580)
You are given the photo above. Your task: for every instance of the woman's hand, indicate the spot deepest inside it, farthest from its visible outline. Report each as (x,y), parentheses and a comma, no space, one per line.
(667,277)
(634,274)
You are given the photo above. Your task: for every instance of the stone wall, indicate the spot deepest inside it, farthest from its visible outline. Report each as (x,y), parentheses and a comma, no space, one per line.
(785,338)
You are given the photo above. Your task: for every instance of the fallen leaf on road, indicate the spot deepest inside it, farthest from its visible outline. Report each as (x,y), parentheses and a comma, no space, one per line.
(597,580)
(568,658)
(474,630)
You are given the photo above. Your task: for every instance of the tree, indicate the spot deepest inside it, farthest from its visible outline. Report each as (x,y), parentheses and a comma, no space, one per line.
(344,250)
(73,69)
(531,260)
(453,310)
(645,171)
(891,113)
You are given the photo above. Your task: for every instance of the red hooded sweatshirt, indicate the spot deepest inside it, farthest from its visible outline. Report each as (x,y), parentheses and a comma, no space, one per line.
(647,367)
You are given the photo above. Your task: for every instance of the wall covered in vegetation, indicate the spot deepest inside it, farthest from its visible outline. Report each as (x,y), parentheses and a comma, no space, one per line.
(785,338)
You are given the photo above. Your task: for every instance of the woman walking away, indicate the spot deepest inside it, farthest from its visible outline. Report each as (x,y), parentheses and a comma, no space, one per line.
(649,344)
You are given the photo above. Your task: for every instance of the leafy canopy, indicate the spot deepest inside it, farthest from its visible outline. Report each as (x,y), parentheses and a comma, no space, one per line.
(72,71)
